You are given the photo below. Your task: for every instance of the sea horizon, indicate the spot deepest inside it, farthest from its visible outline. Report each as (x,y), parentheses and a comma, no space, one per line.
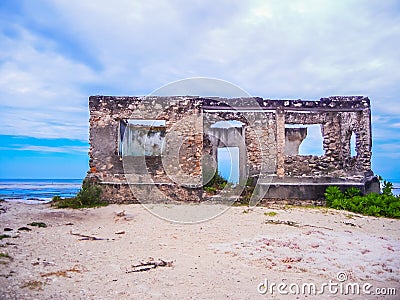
(38,190)
(42,190)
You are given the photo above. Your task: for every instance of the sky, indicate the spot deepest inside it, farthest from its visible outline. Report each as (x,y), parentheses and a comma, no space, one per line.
(54,54)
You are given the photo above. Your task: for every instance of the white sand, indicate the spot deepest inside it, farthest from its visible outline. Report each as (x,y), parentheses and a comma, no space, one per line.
(226,257)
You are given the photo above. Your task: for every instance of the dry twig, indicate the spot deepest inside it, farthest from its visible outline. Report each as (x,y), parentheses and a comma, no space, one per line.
(87,237)
(150,265)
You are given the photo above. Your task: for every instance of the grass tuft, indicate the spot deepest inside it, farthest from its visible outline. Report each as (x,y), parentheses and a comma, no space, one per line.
(37,224)
(5,258)
(5,255)
(33,285)
(4,236)
(270,214)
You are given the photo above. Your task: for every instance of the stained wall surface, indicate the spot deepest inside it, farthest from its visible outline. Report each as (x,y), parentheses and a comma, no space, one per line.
(175,154)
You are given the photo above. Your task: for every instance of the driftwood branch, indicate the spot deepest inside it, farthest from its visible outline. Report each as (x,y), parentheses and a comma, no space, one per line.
(279,222)
(313,226)
(150,265)
(87,237)
(294,224)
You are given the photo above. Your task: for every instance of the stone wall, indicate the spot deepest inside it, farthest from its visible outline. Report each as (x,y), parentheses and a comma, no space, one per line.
(189,140)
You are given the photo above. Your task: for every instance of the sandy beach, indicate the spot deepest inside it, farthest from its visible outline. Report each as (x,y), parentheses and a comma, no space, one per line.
(125,252)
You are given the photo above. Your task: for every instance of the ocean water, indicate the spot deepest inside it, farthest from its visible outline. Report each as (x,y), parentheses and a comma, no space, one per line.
(38,190)
(43,190)
(396,189)
(396,186)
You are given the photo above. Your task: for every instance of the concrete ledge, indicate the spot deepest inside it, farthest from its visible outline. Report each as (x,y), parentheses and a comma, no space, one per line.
(315,190)
(278,191)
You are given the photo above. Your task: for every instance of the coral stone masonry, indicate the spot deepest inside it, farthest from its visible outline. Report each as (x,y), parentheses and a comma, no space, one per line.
(168,146)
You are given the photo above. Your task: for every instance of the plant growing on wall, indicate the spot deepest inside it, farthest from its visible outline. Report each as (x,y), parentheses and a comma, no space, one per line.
(217,182)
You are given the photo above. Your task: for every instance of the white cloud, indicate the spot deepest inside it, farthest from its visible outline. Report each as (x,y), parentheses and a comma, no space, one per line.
(48,149)
(275,49)
(41,94)
(388,150)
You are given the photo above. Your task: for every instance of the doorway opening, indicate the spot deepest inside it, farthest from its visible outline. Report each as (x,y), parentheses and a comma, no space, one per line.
(228,163)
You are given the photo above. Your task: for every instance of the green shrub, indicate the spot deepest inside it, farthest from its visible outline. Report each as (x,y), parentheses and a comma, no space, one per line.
(217,182)
(352,192)
(210,189)
(88,196)
(333,193)
(384,204)
(387,188)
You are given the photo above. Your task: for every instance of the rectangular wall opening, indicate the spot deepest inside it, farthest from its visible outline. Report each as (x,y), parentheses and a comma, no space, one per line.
(303,139)
(141,137)
(228,163)
(353,148)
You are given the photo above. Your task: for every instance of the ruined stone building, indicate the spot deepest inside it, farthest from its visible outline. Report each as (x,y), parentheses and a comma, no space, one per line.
(166,148)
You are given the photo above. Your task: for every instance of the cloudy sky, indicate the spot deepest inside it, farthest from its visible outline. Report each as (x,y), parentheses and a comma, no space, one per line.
(56,53)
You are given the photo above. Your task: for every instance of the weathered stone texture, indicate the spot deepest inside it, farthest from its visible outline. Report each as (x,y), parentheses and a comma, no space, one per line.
(190,141)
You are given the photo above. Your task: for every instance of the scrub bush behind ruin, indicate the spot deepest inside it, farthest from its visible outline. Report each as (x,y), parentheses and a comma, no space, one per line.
(88,196)
(384,204)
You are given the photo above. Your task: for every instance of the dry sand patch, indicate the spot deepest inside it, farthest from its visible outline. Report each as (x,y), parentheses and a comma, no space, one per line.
(226,257)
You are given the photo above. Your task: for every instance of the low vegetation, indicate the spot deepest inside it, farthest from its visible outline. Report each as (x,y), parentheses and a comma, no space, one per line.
(385,204)
(88,196)
(4,236)
(5,255)
(270,214)
(216,183)
(37,224)
(33,285)
(248,190)
(5,258)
